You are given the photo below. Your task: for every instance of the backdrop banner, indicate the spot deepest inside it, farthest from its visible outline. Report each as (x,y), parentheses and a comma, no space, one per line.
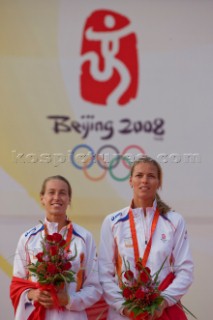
(86,88)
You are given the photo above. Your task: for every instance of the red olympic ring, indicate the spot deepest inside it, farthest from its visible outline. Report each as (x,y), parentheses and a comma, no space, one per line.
(130,147)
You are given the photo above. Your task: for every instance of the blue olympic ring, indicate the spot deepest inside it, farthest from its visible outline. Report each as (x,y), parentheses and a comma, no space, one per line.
(74,151)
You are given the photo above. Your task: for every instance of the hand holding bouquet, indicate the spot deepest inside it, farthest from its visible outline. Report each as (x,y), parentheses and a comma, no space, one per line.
(141,294)
(53,265)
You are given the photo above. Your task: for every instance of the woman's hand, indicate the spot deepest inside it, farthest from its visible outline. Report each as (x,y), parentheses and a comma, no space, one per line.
(126,312)
(160,310)
(43,297)
(156,315)
(63,298)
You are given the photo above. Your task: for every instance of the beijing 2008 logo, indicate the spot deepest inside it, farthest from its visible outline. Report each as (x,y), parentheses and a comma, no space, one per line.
(109,60)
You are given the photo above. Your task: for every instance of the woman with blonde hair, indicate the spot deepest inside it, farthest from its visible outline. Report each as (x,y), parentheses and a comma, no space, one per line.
(149,231)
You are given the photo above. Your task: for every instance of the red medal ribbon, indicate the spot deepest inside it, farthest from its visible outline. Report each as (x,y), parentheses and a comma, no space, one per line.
(135,239)
(69,234)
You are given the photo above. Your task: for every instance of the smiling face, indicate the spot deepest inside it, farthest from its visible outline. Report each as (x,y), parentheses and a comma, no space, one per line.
(55,199)
(145,181)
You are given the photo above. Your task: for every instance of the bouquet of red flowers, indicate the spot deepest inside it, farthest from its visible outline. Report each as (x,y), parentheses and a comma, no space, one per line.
(53,265)
(141,294)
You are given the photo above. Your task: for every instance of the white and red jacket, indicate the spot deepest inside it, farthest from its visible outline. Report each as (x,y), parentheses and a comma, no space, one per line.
(82,295)
(169,240)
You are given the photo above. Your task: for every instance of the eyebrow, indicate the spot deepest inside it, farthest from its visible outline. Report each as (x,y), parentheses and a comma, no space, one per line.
(146,172)
(52,189)
(150,172)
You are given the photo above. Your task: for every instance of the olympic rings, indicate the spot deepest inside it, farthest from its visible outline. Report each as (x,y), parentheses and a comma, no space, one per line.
(89,158)
(108,146)
(77,148)
(94,178)
(129,147)
(111,166)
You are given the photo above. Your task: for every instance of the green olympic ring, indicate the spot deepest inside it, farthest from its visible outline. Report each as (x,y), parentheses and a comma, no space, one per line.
(111,167)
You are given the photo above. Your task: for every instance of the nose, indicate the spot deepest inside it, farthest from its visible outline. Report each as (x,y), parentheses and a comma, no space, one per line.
(56,195)
(144,179)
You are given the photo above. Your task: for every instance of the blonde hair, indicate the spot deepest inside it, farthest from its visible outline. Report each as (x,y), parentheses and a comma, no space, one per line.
(162,206)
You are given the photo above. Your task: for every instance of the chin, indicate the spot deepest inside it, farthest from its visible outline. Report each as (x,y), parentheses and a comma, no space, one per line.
(58,214)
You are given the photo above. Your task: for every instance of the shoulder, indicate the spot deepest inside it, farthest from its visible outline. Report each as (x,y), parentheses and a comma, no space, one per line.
(32,231)
(116,217)
(81,232)
(175,218)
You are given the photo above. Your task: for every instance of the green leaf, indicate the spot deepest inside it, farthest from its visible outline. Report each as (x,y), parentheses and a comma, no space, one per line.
(153,307)
(32,269)
(158,272)
(180,305)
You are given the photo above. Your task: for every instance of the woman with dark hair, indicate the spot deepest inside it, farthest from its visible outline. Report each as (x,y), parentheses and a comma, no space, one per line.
(150,232)
(30,301)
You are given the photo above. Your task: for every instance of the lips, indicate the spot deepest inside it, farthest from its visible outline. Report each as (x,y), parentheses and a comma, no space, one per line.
(144,188)
(56,204)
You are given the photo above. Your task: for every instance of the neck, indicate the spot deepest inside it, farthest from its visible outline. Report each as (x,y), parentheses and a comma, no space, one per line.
(142,203)
(61,225)
(61,222)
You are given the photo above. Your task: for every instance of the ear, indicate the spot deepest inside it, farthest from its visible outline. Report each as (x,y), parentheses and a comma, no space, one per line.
(42,199)
(159,185)
(130,182)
